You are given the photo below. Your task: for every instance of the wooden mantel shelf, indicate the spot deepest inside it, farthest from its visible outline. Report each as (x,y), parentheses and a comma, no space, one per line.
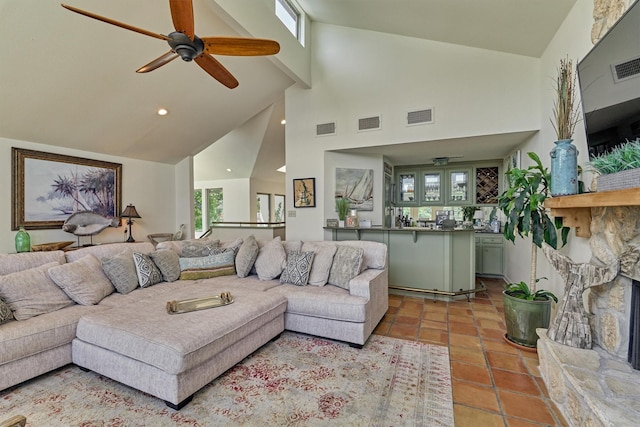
(576,210)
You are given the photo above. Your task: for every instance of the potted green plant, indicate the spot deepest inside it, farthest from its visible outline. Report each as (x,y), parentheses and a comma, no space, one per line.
(467,215)
(620,168)
(342,207)
(525,308)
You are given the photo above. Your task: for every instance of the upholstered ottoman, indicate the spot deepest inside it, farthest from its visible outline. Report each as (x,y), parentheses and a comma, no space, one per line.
(173,356)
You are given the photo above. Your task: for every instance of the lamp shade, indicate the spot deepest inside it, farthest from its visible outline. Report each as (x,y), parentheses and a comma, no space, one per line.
(130,212)
(478,215)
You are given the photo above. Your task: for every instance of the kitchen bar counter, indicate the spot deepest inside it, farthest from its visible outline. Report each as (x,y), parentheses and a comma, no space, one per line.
(423,260)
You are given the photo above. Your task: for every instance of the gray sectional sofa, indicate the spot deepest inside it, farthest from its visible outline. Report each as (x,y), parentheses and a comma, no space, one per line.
(93,316)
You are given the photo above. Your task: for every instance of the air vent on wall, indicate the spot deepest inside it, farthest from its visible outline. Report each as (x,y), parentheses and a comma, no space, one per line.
(369,123)
(626,70)
(324,129)
(420,117)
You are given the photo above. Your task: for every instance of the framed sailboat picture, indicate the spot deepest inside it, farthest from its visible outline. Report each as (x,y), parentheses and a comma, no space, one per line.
(356,185)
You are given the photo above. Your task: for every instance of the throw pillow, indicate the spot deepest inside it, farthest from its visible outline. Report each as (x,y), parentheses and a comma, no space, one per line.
(234,244)
(322,262)
(83,280)
(347,264)
(148,273)
(24,261)
(292,245)
(5,313)
(121,271)
(29,293)
(297,269)
(196,248)
(246,256)
(168,263)
(221,264)
(271,260)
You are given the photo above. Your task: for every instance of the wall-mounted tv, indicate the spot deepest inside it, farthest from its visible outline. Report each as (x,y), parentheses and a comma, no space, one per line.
(609,78)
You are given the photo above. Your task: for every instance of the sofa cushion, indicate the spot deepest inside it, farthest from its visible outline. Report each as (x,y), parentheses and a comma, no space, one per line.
(30,293)
(322,261)
(246,256)
(328,302)
(221,264)
(292,245)
(109,249)
(298,267)
(5,312)
(24,261)
(121,271)
(147,272)
(168,262)
(83,280)
(271,259)
(347,264)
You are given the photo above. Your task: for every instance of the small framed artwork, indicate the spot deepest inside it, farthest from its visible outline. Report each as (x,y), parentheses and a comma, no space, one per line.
(333,223)
(304,193)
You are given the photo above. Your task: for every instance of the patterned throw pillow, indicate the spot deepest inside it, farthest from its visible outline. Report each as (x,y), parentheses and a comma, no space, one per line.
(271,259)
(297,269)
(168,263)
(347,264)
(40,297)
(83,280)
(121,270)
(6,315)
(196,248)
(221,264)
(246,256)
(148,273)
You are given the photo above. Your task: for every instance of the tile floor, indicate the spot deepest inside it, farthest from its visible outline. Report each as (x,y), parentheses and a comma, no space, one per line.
(494,383)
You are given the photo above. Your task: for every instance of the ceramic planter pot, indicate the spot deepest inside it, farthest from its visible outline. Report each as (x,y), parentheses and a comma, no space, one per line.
(523,317)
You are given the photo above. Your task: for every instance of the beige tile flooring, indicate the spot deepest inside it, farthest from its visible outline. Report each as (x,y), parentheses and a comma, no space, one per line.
(494,383)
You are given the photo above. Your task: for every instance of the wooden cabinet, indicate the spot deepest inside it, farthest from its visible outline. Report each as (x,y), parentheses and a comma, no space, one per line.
(407,185)
(432,187)
(489,254)
(487,185)
(459,186)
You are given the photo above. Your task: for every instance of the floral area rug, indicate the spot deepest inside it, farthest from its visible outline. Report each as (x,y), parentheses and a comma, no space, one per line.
(296,380)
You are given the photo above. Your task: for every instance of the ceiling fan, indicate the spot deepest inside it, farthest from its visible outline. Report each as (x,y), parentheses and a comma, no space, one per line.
(441,161)
(186,45)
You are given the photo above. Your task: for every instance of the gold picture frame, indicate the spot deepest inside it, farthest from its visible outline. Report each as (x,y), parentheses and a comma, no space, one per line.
(304,193)
(48,188)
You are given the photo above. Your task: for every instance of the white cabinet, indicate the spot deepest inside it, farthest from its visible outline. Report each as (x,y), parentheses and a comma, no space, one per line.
(489,254)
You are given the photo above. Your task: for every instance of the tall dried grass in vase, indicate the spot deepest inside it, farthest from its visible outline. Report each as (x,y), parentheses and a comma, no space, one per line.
(565,112)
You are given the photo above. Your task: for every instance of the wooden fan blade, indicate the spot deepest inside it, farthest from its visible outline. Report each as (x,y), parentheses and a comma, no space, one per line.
(116,23)
(182,16)
(239,46)
(158,62)
(216,70)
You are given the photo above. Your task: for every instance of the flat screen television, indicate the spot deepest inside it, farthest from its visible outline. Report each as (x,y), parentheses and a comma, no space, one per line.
(609,79)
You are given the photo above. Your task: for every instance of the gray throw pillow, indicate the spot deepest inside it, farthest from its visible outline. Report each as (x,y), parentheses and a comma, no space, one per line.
(347,264)
(246,256)
(271,259)
(297,269)
(121,270)
(148,273)
(83,280)
(30,293)
(6,315)
(322,262)
(168,262)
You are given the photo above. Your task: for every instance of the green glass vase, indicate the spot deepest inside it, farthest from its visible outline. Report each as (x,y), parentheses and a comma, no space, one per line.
(23,241)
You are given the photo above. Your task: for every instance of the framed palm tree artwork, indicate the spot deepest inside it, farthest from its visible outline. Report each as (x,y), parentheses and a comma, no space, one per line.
(48,188)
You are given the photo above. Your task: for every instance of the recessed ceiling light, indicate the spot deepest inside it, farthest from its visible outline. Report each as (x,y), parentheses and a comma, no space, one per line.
(283,121)
(228,170)
(282,169)
(163,112)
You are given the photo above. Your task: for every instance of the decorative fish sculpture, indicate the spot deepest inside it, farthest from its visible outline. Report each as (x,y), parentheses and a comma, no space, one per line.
(88,223)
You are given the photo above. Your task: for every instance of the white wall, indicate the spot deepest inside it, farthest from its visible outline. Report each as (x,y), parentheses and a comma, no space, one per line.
(264,187)
(360,73)
(235,198)
(572,39)
(150,186)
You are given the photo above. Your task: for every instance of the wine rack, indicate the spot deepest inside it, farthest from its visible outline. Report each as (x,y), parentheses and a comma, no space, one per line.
(487,185)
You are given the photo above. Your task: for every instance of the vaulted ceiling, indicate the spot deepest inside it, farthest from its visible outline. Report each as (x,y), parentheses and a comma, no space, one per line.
(70,81)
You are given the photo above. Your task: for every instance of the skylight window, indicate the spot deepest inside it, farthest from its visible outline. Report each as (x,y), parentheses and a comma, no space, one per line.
(289,16)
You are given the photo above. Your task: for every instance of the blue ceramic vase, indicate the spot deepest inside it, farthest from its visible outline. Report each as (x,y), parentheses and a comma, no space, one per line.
(23,241)
(564,168)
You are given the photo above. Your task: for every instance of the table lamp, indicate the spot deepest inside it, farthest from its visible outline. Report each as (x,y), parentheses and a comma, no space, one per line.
(130,212)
